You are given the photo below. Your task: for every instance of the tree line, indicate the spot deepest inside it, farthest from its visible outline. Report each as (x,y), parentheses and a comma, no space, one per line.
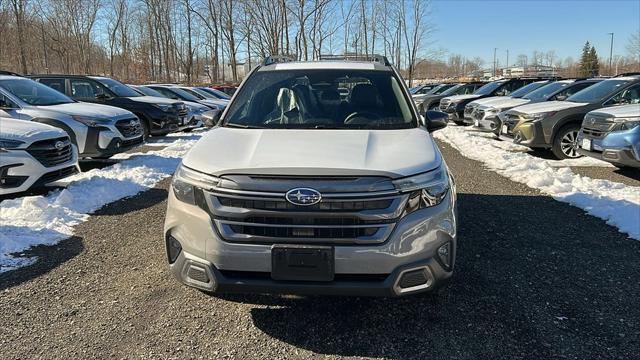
(186,40)
(217,40)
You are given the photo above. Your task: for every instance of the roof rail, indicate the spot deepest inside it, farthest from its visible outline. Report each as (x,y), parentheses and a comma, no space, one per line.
(628,74)
(274,59)
(4,72)
(356,57)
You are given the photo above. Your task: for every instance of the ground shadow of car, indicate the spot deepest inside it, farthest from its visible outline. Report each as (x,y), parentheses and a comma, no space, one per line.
(46,259)
(535,278)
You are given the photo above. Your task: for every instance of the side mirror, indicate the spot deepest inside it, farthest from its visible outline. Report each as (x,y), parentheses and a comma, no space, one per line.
(561,97)
(4,104)
(212,117)
(436,120)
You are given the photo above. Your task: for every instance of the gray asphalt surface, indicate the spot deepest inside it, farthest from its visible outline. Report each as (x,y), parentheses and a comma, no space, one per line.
(535,279)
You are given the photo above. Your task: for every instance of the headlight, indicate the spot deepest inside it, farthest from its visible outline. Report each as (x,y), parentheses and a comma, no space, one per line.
(428,189)
(88,120)
(187,181)
(163,107)
(539,116)
(8,144)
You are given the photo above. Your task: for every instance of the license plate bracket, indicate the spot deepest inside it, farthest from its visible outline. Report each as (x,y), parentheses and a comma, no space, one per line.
(302,263)
(586,144)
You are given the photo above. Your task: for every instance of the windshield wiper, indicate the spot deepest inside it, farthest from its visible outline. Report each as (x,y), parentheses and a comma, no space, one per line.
(241,126)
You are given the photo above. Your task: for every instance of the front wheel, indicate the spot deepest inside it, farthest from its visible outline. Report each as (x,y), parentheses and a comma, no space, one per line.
(565,143)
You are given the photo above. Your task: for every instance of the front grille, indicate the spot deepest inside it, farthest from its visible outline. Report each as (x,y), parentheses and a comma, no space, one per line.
(444,104)
(52,152)
(478,114)
(468,110)
(597,127)
(181,109)
(129,127)
(56,175)
(132,142)
(352,218)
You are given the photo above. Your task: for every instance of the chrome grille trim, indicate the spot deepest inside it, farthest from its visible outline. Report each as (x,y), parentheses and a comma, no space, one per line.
(300,224)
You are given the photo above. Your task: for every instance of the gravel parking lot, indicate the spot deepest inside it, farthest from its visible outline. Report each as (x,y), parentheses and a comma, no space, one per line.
(535,278)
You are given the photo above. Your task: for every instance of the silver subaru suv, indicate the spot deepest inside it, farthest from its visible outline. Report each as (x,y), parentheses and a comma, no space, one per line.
(320,178)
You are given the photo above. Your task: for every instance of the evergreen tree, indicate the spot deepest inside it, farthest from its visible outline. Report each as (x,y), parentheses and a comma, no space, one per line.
(584,60)
(595,63)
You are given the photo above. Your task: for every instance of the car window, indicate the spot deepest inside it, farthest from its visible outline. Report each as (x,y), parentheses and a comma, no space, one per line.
(149,91)
(56,84)
(5,102)
(118,88)
(598,92)
(194,93)
(572,90)
(490,87)
(312,99)
(630,95)
(34,93)
(518,93)
(509,87)
(544,92)
(81,88)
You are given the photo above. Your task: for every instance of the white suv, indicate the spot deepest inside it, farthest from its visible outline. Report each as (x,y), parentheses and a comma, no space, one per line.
(99,131)
(33,155)
(299,192)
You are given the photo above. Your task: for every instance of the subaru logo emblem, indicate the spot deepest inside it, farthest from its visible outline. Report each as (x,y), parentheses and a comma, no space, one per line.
(133,123)
(592,120)
(59,145)
(303,196)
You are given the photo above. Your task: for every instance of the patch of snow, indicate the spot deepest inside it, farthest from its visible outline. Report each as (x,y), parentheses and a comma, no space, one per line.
(618,204)
(45,220)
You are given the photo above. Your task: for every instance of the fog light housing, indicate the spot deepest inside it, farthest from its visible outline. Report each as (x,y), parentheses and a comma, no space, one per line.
(445,255)
(173,248)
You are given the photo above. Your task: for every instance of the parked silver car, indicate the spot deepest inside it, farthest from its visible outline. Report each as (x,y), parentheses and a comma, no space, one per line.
(294,192)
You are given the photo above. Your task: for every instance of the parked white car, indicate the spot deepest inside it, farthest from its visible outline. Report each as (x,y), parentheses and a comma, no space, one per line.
(99,131)
(33,155)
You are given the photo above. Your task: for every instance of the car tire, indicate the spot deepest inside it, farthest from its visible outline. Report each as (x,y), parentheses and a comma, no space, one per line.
(565,143)
(146,127)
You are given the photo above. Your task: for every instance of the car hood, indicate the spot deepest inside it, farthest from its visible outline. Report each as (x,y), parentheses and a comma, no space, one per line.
(219,103)
(547,106)
(489,100)
(91,110)
(27,131)
(196,106)
(461,97)
(620,111)
(502,103)
(153,100)
(391,153)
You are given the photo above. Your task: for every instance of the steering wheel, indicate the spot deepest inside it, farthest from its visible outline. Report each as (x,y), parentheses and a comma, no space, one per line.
(367,116)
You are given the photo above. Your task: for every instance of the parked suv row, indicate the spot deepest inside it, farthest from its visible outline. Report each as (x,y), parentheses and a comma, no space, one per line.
(98,131)
(555,125)
(455,105)
(158,115)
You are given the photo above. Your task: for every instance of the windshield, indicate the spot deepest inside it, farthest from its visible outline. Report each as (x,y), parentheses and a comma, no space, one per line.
(321,99)
(527,89)
(546,91)
(441,89)
(183,94)
(598,91)
(217,93)
(117,87)
(197,94)
(489,88)
(34,93)
(148,91)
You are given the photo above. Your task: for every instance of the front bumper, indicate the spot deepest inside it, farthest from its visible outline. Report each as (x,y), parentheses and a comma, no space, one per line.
(104,142)
(19,171)
(363,270)
(529,133)
(620,147)
(454,114)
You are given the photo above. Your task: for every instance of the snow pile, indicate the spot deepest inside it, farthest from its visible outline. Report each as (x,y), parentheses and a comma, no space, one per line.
(45,220)
(617,204)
